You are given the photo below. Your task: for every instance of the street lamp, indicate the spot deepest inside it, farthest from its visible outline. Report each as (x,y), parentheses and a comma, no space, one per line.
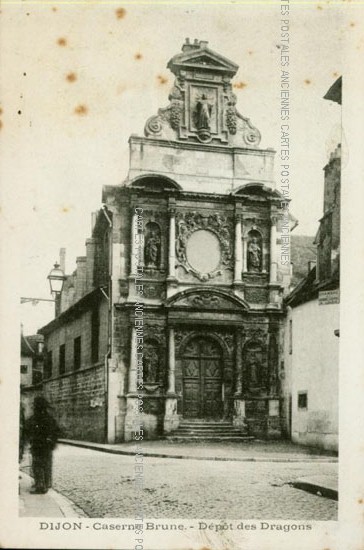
(56,279)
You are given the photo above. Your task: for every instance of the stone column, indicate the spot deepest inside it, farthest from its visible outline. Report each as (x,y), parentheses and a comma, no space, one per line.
(171,363)
(245,255)
(132,386)
(238,250)
(172,244)
(133,248)
(239,364)
(273,251)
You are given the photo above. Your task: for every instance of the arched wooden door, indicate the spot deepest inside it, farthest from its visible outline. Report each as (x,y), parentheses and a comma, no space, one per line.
(202,378)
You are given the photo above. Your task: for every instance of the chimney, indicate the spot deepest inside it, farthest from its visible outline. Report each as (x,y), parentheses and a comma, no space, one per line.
(90,263)
(93,221)
(62,259)
(80,283)
(196,45)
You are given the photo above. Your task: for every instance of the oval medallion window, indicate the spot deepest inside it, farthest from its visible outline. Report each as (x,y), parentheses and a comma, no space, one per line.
(203,251)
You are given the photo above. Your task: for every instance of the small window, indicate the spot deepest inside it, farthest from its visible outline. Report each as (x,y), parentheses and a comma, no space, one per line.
(77,353)
(23,369)
(62,359)
(302,400)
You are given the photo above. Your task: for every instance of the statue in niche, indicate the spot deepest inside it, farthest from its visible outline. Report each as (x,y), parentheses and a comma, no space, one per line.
(203,113)
(254,251)
(151,364)
(253,361)
(152,246)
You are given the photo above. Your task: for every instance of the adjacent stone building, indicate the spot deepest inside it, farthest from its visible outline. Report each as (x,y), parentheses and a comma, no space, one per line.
(31,368)
(189,244)
(312,325)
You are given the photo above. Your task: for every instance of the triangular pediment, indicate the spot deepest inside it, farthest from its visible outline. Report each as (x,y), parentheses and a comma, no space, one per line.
(203,58)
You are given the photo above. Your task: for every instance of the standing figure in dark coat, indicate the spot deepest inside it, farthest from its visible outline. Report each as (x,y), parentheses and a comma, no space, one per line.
(41,431)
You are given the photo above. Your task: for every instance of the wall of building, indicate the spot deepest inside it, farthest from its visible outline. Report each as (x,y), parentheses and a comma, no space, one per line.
(195,167)
(312,368)
(78,402)
(26,371)
(78,397)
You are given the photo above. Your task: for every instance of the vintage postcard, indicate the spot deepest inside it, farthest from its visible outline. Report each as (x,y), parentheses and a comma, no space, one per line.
(181,259)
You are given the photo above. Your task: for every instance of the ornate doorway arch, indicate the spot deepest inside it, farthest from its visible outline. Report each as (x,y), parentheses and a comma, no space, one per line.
(202,371)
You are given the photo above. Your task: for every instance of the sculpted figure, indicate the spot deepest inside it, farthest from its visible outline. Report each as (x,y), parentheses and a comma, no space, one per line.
(254,255)
(151,362)
(151,250)
(181,242)
(203,113)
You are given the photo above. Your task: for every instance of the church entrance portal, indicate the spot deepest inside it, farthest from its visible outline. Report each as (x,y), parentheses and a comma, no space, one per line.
(202,379)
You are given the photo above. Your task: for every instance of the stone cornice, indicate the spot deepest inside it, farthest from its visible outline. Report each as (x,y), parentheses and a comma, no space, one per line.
(201,146)
(243,199)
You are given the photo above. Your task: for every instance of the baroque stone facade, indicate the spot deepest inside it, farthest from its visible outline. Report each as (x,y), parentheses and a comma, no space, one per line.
(200,213)
(193,237)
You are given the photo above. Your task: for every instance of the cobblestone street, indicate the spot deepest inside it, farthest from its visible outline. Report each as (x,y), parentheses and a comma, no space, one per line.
(103,486)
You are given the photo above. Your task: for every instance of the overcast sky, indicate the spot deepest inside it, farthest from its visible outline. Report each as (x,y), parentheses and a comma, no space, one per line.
(81,79)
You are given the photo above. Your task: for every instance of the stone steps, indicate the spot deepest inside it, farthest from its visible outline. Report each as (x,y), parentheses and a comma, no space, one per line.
(215,438)
(209,430)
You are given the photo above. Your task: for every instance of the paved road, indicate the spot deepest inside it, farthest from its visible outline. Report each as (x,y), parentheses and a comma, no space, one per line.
(103,486)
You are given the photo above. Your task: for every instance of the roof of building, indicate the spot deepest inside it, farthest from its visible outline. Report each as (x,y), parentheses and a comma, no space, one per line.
(335,91)
(28,344)
(309,288)
(78,308)
(303,251)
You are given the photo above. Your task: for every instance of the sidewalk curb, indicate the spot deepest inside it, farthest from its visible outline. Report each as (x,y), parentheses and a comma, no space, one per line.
(316,488)
(104,449)
(68,508)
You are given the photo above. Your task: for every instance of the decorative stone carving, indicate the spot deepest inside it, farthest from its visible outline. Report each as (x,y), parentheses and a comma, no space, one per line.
(254,251)
(152,406)
(256,295)
(251,135)
(202,112)
(155,332)
(254,366)
(151,366)
(153,290)
(231,122)
(179,335)
(189,222)
(205,300)
(152,246)
(175,116)
(202,104)
(176,106)
(231,116)
(202,116)
(153,126)
(228,338)
(155,246)
(254,333)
